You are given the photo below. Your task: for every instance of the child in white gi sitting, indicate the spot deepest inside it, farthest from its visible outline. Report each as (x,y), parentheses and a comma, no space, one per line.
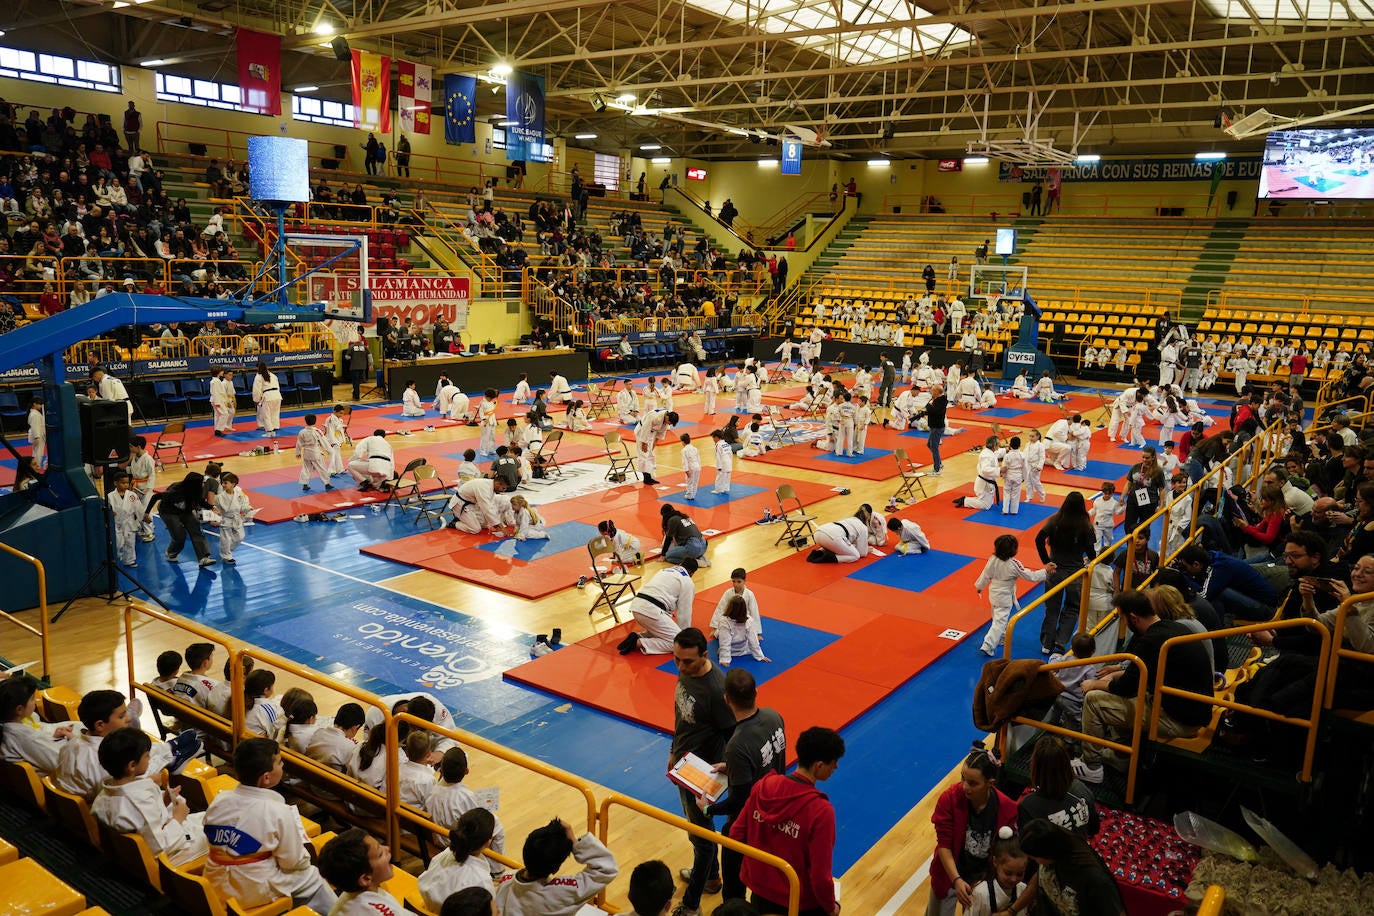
(536,889)
(462,865)
(357,865)
(737,632)
(910,537)
(130,802)
(529,525)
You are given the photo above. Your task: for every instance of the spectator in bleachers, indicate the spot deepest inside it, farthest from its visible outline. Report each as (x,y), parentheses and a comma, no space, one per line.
(130,802)
(1054,793)
(534,891)
(357,865)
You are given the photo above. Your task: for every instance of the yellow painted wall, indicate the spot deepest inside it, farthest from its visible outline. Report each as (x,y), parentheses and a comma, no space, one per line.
(489,320)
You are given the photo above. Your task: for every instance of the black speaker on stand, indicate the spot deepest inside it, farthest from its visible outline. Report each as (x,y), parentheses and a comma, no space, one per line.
(104,432)
(340,46)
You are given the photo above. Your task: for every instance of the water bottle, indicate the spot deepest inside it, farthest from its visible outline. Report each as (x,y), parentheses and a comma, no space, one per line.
(275,448)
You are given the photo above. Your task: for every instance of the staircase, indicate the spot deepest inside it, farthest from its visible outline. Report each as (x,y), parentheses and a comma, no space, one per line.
(1213,264)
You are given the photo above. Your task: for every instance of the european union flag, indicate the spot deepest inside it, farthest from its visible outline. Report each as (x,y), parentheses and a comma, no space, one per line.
(460,108)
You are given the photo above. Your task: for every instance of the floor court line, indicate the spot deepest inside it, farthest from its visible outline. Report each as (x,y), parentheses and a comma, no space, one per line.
(898,900)
(325,569)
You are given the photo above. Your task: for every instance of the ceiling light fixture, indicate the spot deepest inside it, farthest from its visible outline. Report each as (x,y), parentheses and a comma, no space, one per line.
(650,147)
(661,160)
(1088,158)
(584,136)
(155,62)
(306,89)
(501,70)
(1209,157)
(975,160)
(323,28)
(878,163)
(768,163)
(626,98)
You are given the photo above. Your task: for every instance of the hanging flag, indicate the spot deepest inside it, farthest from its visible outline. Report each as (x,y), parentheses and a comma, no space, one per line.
(371,91)
(460,94)
(413,97)
(259,57)
(525,111)
(791,157)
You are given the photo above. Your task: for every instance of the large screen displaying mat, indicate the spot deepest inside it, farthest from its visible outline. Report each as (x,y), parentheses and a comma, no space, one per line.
(279,169)
(1318,163)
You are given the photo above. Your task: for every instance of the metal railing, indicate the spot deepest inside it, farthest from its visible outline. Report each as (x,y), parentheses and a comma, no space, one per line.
(1077,203)
(1338,649)
(41,631)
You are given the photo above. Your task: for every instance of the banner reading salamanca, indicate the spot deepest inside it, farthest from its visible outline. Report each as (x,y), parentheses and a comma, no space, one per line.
(409,298)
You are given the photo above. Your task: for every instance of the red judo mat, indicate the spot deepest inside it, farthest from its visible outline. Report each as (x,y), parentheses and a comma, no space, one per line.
(633,507)
(881,442)
(881,636)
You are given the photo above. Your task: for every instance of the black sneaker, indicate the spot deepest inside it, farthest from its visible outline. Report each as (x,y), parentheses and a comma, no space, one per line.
(557,637)
(628,644)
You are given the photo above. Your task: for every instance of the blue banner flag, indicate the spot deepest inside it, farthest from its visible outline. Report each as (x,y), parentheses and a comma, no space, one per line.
(460,104)
(525,112)
(791,157)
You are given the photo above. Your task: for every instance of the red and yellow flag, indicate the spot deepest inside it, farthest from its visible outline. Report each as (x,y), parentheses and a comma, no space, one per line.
(371,91)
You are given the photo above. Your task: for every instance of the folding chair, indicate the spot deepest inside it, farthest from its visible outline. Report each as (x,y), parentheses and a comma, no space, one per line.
(171,439)
(782,430)
(403,486)
(621,459)
(796,520)
(547,453)
(912,479)
(600,399)
(428,503)
(611,586)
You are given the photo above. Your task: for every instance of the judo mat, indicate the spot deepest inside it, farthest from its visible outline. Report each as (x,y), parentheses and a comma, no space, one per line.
(533,569)
(877,462)
(840,637)
(1025,413)
(277,494)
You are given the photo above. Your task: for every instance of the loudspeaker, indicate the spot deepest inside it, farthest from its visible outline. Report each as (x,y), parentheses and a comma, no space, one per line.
(329,164)
(340,46)
(340,151)
(598,103)
(104,431)
(197,149)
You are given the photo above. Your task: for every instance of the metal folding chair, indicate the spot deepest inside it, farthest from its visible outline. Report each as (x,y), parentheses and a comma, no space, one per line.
(547,453)
(611,587)
(429,502)
(619,455)
(782,433)
(912,479)
(797,529)
(403,486)
(171,439)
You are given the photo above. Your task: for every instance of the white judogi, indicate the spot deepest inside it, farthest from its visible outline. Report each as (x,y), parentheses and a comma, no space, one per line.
(223,401)
(128,515)
(373,460)
(474,506)
(267,395)
(691,467)
(330,746)
(458,404)
(652,425)
(847,539)
(522,393)
(335,433)
(78,764)
(1013,477)
(38,437)
(446,876)
(751,604)
(1168,363)
(685,378)
(1035,466)
(1020,388)
(672,591)
(560,392)
(1057,443)
(312,450)
(725,462)
(442,717)
(137,807)
(561,895)
(985,484)
(266,718)
(448,802)
(526,528)
(627,402)
(112,389)
(1080,440)
(411,405)
(912,538)
(195,688)
(368,903)
(34,742)
(486,424)
(1104,511)
(999,578)
(258,850)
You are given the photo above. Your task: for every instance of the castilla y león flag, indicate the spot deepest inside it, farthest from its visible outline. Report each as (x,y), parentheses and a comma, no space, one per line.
(259,56)
(414,96)
(371,91)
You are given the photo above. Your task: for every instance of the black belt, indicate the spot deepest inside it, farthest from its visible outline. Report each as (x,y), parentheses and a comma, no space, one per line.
(655,602)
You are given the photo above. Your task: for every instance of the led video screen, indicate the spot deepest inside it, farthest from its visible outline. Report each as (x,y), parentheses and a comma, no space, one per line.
(1325,163)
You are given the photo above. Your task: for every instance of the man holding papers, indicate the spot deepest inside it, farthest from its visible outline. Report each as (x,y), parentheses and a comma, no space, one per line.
(701,723)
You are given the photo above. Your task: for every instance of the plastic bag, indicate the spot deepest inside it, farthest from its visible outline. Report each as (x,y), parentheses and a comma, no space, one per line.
(1292,856)
(1198,830)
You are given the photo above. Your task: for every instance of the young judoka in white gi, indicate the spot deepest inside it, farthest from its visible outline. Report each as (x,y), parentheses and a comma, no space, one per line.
(739,589)
(529,524)
(1171,415)
(832,428)
(691,466)
(486,422)
(737,632)
(258,847)
(102,713)
(474,506)
(1013,476)
(1105,510)
(910,537)
(1035,466)
(535,891)
(522,390)
(1135,421)
(415,777)
(1020,388)
(357,865)
(312,451)
(462,864)
(999,578)
(335,434)
(844,440)
(652,427)
(459,405)
(662,607)
(1122,354)
(130,802)
(725,460)
(863,417)
(627,404)
(450,799)
(127,508)
(625,546)
(1080,441)
(233,507)
(578,421)
(710,387)
(443,395)
(143,471)
(411,406)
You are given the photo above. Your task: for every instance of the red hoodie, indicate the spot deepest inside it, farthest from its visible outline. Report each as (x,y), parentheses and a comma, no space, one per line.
(792,819)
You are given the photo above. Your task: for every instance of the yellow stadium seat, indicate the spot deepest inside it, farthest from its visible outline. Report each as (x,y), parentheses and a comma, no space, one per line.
(34,891)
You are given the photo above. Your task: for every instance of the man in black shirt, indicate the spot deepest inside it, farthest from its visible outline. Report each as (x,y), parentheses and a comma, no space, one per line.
(757,747)
(935,419)
(701,723)
(1109,704)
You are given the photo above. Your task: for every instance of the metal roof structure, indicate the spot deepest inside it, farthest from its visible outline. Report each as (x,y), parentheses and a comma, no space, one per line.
(947,77)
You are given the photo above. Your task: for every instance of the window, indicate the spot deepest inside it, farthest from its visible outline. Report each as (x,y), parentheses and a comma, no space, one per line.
(53,68)
(498,138)
(206,94)
(321,111)
(606,171)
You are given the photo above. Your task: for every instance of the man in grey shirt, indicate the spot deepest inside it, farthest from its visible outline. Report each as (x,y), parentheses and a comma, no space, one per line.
(757,747)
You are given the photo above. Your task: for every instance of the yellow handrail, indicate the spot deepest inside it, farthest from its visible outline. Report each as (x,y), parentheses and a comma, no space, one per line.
(1132,750)
(1338,649)
(42,578)
(1312,723)
(680,823)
